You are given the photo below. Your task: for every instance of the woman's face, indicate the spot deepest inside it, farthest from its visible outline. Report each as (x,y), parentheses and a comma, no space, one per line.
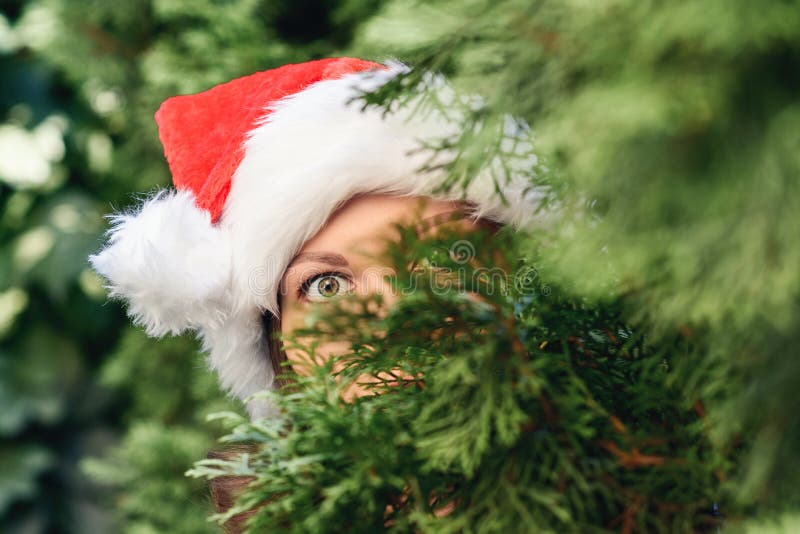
(341,258)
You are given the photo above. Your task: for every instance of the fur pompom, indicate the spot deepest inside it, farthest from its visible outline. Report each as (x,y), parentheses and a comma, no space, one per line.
(169,263)
(311,151)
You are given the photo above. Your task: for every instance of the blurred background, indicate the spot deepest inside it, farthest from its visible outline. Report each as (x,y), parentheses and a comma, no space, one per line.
(670,130)
(98,423)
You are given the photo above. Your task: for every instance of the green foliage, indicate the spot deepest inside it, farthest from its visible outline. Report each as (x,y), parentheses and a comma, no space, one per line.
(79,83)
(670,131)
(668,134)
(52,324)
(149,465)
(166,397)
(20,467)
(501,400)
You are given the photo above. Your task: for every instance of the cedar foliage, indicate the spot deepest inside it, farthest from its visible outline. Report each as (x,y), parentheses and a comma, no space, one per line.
(669,136)
(81,391)
(522,410)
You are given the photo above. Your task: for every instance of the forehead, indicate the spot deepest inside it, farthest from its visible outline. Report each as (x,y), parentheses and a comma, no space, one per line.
(365,221)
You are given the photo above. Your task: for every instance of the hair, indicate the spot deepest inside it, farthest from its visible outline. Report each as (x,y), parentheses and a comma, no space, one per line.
(225,489)
(271,323)
(272,332)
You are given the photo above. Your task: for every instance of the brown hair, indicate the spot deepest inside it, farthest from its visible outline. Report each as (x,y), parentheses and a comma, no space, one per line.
(272,330)
(224,490)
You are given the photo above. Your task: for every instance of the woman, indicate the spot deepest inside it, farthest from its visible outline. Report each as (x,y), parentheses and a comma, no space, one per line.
(260,165)
(284,189)
(343,259)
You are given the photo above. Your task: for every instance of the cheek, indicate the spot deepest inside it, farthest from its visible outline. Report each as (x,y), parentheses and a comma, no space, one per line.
(293,317)
(302,362)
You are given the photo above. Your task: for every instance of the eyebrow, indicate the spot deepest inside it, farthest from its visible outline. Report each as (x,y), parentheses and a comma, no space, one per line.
(322,257)
(338,260)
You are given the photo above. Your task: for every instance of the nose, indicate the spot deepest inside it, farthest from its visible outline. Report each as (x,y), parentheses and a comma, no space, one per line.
(380,282)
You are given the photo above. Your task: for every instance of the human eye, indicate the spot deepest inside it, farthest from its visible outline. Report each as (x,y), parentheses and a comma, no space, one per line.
(324,286)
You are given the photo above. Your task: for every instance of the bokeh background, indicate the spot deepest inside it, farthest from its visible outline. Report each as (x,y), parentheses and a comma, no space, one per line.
(98,423)
(670,130)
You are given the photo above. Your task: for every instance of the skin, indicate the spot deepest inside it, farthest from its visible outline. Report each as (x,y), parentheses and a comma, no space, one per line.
(340,258)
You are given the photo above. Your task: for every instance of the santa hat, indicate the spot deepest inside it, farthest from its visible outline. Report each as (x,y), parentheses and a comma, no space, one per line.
(259,164)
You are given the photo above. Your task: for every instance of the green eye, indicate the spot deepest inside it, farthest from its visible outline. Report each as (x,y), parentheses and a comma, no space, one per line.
(325,286)
(328,286)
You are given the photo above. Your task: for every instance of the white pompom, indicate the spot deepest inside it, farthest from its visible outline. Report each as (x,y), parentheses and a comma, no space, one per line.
(170,263)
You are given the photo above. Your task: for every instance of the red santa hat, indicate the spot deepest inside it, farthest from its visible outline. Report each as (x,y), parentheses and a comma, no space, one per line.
(259,164)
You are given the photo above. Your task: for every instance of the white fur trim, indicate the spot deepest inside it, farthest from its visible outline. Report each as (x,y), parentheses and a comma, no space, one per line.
(315,150)
(238,352)
(169,263)
(172,267)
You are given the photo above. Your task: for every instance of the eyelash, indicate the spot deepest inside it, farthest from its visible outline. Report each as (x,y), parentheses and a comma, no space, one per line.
(302,291)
